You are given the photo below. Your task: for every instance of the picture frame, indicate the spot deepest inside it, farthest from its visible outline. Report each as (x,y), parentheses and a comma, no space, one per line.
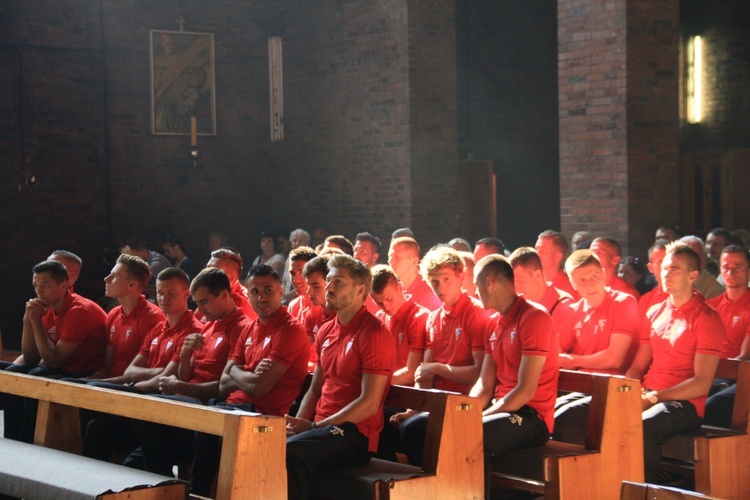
(182,82)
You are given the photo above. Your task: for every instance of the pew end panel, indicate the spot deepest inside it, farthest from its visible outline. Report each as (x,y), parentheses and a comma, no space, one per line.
(613,449)
(718,458)
(250,444)
(453,460)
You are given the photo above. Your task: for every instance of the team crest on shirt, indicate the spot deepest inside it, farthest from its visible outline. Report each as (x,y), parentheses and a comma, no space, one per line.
(112,330)
(493,340)
(155,342)
(169,345)
(127,334)
(512,336)
(349,346)
(401,337)
(325,344)
(672,331)
(266,341)
(735,320)
(52,332)
(218,341)
(602,324)
(578,328)
(458,332)
(315,329)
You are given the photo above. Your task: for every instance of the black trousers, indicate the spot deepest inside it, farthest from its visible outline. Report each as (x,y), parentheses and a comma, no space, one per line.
(318,450)
(661,422)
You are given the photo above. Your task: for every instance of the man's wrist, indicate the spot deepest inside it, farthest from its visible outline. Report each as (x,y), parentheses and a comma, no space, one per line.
(652,397)
(313,425)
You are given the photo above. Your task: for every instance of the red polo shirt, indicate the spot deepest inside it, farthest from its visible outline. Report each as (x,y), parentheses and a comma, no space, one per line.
(345,353)
(736,318)
(408,327)
(81,322)
(588,330)
(283,340)
(677,334)
(526,329)
(126,332)
(163,342)
(454,335)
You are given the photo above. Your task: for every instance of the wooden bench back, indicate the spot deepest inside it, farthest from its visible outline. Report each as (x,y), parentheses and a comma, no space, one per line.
(253,454)
(614,430)
(454,449)
(735,369)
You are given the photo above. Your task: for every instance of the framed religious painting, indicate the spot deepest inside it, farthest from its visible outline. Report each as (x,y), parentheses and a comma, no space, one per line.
(182,82)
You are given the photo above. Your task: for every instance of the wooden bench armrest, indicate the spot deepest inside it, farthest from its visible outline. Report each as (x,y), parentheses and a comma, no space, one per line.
(162,411)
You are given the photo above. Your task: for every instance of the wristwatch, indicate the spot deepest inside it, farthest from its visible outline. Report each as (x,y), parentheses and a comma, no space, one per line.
(652,397)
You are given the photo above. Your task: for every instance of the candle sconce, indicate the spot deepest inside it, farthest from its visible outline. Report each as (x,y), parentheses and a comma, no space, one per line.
(195,153)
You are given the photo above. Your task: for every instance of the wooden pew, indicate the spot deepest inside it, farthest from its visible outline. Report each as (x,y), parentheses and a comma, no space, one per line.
(253,454)
(453,456)
(718,458)
(643,491)
(613,450)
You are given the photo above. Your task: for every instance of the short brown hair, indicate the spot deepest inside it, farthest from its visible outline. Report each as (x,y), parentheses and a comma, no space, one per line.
(382,276)
(526,257)
(136,267)
(358,272)
(684,250)
(212,278)
(317,265)
(581,258)
(174,273)
(493,266)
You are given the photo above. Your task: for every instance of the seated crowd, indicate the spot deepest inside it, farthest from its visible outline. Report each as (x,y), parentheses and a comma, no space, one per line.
(456,318)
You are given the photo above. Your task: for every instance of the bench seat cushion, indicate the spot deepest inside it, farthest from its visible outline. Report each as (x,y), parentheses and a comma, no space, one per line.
(30,471)
(357,482)
(682,446)
(529,462)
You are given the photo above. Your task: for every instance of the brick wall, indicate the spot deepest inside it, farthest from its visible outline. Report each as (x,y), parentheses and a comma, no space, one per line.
(76,73)
(618,71)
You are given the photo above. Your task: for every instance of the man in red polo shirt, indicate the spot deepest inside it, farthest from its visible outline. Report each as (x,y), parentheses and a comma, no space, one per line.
(128,323)
(455,344)
(552,248)
(403,257)
(342,413)
(230,261)
(163,342)
(265,371)
(600,334)
(734,308)
(200,364)
(313,318)
(528,275)
(609,252)
(405,319)
(104,433)
(678,357)
(297,260)
(656,253)
(519,369)
(62,336)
